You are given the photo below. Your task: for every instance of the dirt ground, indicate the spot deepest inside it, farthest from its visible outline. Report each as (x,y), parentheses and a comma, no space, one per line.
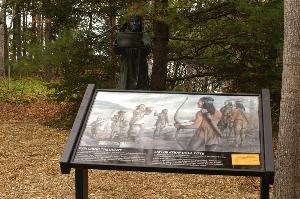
(29,167)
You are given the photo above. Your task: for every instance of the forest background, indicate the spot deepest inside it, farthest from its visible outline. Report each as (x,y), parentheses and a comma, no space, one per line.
(51,49)
(197,46)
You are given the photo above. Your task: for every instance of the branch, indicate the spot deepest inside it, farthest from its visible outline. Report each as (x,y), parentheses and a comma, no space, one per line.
(193,76)
(107,31)
(208,45)
(191,40)
(180,58)
(217,6)
(208,40)
(229,52)
(197,52)
(213,10)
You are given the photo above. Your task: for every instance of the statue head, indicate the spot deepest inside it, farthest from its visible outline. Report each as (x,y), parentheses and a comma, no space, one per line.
(135,23)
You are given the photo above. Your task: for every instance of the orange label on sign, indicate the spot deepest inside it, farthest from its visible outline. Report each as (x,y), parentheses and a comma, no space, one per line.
(245,159)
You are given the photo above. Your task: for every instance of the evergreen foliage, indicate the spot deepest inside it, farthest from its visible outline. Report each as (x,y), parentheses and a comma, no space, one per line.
(212,45)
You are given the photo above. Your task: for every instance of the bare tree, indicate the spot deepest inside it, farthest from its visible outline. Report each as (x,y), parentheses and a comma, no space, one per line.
(3,39)
(2,68)
(17,41)
(287,177)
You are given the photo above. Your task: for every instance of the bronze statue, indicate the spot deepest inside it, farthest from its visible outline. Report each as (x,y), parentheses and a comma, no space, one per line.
(133,47)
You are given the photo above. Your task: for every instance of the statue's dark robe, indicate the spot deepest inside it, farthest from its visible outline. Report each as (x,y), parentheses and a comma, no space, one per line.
(134,67)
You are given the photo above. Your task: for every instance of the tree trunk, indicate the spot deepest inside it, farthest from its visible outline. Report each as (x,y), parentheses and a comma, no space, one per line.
(17,33)
(287,178)
(2,65)
(112,23)
(34,22)
(160,48)
(48,31)
(6,57)
(90,22)
(3,40)
(48,39)
(24,29)
(40,29)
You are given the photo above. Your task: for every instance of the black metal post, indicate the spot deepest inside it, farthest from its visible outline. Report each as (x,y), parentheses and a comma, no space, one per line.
(81,183)
(264,188)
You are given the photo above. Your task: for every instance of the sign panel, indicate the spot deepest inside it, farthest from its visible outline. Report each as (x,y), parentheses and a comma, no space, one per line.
(172,130)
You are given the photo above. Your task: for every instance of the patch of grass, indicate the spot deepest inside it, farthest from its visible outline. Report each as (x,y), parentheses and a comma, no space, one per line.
(24,90)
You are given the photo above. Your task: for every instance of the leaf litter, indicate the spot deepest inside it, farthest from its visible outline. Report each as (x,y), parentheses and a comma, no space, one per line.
(29,166)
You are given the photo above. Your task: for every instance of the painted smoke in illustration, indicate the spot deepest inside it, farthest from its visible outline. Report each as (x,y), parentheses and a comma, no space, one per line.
(146,121)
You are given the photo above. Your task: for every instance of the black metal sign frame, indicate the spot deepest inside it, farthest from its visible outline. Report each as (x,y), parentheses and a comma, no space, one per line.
(265,171)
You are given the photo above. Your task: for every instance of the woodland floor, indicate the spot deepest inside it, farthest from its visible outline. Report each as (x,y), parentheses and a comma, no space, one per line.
(29,166)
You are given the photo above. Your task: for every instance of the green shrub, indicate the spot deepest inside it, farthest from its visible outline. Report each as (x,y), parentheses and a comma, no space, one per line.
(24,90)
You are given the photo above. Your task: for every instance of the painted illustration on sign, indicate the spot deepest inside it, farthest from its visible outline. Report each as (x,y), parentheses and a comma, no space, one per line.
(161,121)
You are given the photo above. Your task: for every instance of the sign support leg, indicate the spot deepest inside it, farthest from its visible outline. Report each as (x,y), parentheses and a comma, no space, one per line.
(81,183)
(264,188)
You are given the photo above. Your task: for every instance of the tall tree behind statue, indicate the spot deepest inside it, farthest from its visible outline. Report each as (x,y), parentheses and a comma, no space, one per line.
(160,45)
(287,178)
